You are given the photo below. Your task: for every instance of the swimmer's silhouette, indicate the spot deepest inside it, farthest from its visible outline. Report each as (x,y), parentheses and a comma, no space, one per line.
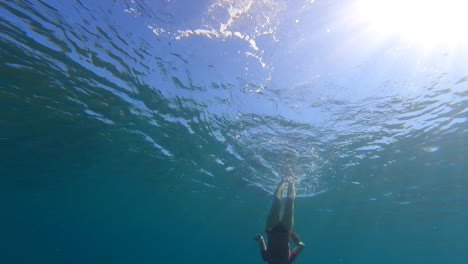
(279,228)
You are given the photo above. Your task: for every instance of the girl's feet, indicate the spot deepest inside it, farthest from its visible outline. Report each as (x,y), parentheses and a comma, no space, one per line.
(287,179)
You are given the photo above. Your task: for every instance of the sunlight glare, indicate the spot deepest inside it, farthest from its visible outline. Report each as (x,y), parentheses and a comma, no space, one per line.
(432,22)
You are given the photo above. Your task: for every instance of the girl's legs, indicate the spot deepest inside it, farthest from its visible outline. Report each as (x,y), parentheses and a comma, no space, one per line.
(288,215)
(274,216)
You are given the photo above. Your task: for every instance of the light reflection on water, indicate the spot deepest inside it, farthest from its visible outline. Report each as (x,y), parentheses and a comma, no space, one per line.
(229,96)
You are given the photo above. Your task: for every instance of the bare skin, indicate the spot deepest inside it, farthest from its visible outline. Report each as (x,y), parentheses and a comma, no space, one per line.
(275,217)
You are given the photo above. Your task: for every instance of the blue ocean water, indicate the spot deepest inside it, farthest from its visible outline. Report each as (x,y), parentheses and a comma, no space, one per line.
(155,131)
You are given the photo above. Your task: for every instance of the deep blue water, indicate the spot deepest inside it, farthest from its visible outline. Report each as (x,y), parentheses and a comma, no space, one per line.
(155,132)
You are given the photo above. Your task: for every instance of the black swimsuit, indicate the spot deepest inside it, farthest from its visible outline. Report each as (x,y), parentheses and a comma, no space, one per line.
(278,245)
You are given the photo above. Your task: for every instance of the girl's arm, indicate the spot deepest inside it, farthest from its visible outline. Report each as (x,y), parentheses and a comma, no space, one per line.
(263,248)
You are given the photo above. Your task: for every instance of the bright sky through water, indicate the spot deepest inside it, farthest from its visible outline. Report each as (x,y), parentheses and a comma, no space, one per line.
(428,23)
(299,59)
